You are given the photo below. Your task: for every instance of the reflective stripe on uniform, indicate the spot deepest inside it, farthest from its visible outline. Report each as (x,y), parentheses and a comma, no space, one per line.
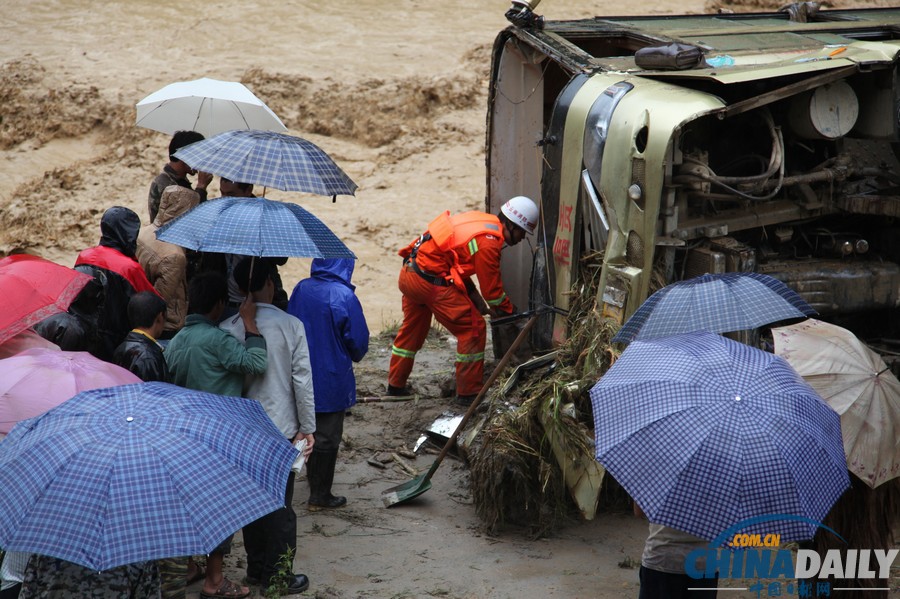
(403,353)
(470,357)
(498,301)
(473,246)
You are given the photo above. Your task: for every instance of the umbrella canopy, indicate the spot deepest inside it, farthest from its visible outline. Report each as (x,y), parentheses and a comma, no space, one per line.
(36,380)
(270,159)
(856,382)
(254,227)
(139,472)
(33,289)
(704,432)
(208,106)
(23,340)
(719,303)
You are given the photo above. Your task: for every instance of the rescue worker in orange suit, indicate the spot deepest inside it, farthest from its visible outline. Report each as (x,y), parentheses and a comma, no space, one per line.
(436,279)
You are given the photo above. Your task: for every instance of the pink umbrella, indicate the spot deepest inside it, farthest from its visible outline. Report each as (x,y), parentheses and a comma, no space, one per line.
(19,342)
(37,379)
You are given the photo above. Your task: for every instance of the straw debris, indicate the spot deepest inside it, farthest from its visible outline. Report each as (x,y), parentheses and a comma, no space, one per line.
(515,478)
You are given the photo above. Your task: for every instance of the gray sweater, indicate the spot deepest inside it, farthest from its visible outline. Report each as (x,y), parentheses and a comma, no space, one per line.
(285,390)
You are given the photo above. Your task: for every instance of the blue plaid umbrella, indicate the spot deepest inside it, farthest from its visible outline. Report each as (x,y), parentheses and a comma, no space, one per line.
(139,472)
(704,432)
(719,303)
(254,227)
(271,159)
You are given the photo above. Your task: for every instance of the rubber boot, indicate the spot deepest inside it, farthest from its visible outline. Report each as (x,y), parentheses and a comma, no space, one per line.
(320,474)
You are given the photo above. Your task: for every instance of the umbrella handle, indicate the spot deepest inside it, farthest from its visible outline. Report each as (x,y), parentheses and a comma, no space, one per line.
(475,403)
(250,275)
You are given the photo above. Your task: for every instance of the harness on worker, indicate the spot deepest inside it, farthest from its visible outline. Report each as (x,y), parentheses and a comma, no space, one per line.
(411,260)
(441,231)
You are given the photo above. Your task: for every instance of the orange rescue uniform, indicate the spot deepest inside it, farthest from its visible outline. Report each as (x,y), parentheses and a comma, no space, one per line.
(436,269)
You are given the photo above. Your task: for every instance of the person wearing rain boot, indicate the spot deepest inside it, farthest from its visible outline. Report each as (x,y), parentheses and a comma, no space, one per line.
(285,391)
(338,335)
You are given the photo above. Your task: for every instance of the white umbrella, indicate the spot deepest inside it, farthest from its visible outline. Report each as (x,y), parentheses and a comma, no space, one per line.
(208,106)
(858,385)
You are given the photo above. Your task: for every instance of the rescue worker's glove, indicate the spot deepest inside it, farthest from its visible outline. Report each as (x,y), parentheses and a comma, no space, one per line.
(497,312)
(519,323)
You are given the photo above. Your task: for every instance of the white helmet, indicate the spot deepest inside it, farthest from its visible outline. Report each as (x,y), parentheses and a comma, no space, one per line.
(522,212)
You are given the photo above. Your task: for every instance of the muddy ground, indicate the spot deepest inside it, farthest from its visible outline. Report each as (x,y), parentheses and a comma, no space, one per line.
(434,545)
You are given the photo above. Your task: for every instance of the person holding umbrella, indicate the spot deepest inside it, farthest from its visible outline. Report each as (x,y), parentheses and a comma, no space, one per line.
(237,189)
(662,572)
(285,391)
(202,356)
(116,478)
(76,328)
(175,172)
(710,437)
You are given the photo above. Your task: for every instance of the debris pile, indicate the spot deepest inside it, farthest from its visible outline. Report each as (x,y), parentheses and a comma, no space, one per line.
(546,421)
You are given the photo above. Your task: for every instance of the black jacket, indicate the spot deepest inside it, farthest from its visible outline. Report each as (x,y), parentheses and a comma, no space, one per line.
(68,330)
(108,316)
(142,356)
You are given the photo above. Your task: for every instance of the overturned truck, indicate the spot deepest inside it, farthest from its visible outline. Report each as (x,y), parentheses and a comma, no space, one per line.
(677,146)
(684,145)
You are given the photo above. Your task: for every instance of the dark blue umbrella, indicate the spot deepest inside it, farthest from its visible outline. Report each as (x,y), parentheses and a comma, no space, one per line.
(704,432)
(254,227)
(270,159)
(719,303)
(139,472)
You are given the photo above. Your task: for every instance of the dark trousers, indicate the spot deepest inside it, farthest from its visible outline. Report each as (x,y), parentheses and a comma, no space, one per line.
(269,537)
(12,592)
(320,467)
(329,430)
(663,585)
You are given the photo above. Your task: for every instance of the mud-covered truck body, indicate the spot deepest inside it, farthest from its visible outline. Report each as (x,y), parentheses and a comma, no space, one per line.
(759,143)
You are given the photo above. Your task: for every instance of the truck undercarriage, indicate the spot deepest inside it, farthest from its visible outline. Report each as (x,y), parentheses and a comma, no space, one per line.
(777,153)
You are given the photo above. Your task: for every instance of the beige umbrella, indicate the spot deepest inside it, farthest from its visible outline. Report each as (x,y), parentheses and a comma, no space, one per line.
(857,384)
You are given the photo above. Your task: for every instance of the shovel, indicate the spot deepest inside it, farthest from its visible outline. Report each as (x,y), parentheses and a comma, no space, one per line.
(421,483)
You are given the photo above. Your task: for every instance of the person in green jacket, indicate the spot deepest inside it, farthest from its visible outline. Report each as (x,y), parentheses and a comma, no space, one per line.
(204,357)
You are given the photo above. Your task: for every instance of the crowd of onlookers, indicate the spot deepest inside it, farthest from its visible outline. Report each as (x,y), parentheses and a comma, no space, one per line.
(219,323)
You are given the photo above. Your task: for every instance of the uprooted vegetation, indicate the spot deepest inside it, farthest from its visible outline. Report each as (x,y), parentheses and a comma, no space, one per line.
(515,477)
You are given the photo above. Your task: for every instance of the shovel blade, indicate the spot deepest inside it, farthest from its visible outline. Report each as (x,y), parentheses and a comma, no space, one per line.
(406,491)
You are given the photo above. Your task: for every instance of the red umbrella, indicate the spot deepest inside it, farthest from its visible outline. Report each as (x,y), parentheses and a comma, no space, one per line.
(32,289)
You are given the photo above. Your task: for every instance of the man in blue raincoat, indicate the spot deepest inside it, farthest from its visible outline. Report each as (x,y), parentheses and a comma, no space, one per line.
(338,335)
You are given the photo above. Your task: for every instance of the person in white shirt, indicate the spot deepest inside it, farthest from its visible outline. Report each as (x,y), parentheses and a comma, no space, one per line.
(285,391)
